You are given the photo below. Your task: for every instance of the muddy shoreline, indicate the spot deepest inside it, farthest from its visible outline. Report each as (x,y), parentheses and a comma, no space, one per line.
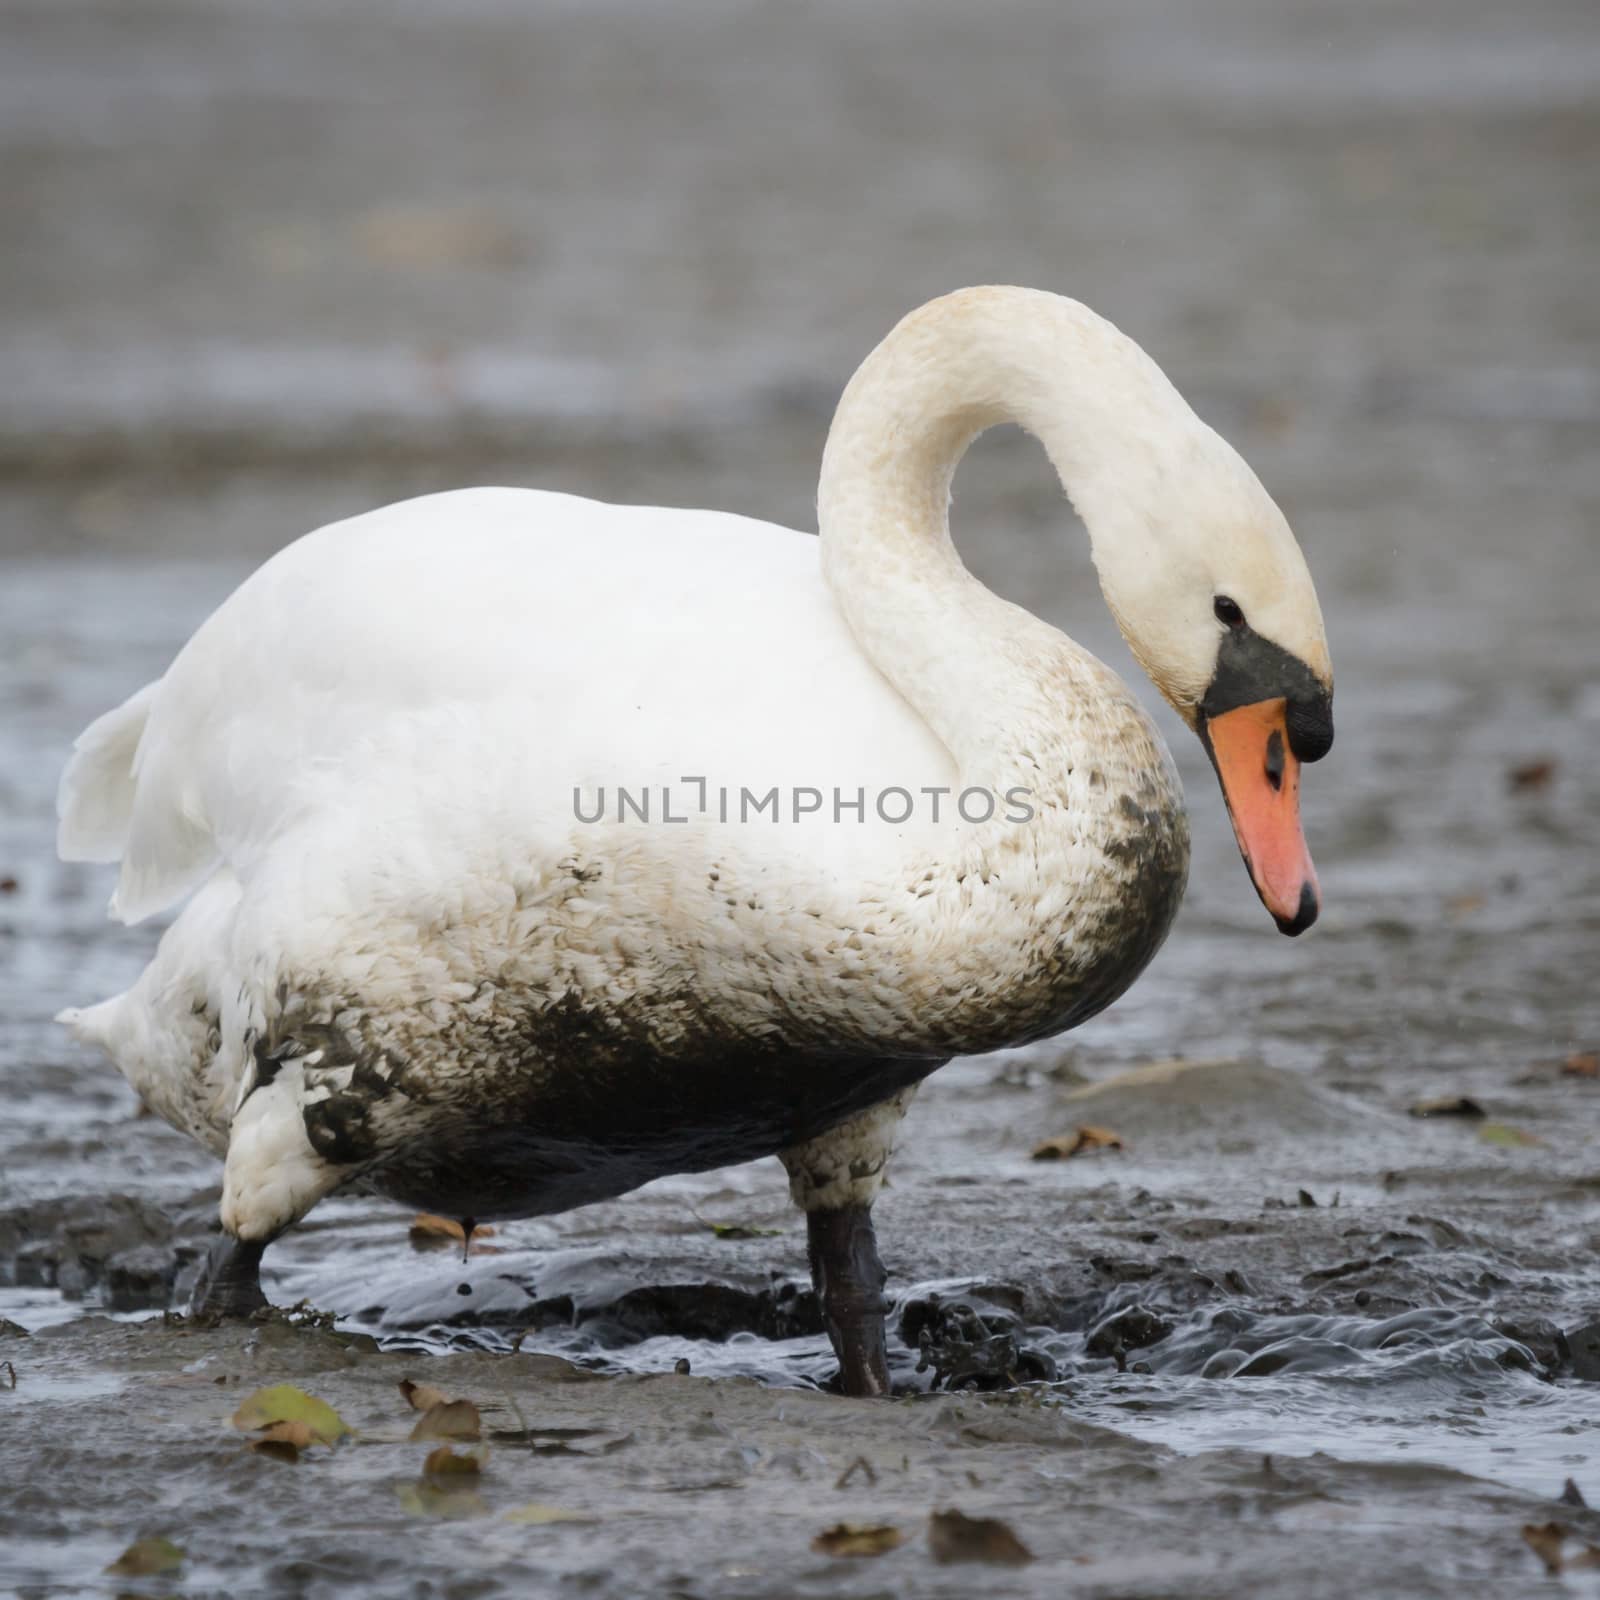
(1387,1360)
(715,1488)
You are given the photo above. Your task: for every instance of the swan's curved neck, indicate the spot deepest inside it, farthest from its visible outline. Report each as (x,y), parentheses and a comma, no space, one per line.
(978,670)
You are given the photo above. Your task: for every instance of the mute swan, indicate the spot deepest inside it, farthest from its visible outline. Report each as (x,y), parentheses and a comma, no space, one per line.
(412,960)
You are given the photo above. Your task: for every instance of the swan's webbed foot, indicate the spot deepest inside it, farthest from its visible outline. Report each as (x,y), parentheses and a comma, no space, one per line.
(230,1280)
(849,1279)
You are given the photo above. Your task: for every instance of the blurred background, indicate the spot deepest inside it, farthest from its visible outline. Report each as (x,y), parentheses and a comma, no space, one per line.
(270,262)
(266,265)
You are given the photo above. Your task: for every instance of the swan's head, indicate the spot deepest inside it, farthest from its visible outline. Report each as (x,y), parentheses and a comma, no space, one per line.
(1213,596)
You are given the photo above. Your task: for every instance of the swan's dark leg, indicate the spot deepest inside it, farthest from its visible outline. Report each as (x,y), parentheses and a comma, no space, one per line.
(833,1178)
(849,1279)
(230,1281)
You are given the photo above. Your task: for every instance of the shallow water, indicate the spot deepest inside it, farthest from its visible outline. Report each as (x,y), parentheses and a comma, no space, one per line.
(626,258)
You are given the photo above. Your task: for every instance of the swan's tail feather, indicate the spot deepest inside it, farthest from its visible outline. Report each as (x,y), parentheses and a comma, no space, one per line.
(126,796)
(95,800)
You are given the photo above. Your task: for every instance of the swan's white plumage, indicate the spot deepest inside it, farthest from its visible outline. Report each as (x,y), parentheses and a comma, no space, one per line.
(454,651)
(365,762)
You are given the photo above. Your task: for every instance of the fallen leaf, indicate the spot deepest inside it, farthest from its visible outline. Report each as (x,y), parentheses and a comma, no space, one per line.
(1463,905)
(9,884)
(1084,1138)
(1545,1540)
(285,1403)
(1500,1133)
(1531,775)
(537,1515)
(421,1396)
(858,1539)
(147,1556)
(449,1419)
(1450,1105)
(954,1536)
(453,1500)
(1585,1064)
(443,1462)
(430,1232)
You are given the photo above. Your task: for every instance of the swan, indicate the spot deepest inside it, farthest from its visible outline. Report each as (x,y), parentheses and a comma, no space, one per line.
(534,848)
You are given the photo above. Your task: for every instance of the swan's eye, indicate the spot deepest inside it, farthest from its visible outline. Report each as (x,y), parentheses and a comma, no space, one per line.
(1227,611)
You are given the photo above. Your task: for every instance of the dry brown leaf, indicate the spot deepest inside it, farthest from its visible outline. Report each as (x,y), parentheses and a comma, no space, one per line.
(443,1462)
(1085,1138)
(145,1557)
(858,1539)
(1532,775)
(421,1396)
(1582,1064)
(449,1419)
(1545,1540)
(1463,905)
(954,1536)
(430,1232)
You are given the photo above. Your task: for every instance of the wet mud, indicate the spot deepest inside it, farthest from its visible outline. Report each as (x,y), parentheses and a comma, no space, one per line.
(1281,1336)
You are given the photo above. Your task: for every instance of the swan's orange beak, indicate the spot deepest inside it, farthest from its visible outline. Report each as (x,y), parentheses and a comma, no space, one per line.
(1249,747)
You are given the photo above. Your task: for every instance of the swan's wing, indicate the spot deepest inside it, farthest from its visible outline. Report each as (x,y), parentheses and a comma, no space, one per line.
(467,661)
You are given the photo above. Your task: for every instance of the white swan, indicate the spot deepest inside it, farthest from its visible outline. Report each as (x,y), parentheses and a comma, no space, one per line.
(409,963)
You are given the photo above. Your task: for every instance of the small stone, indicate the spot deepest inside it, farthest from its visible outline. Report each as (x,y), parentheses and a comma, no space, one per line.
(1135,1328)
(1584,1344)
